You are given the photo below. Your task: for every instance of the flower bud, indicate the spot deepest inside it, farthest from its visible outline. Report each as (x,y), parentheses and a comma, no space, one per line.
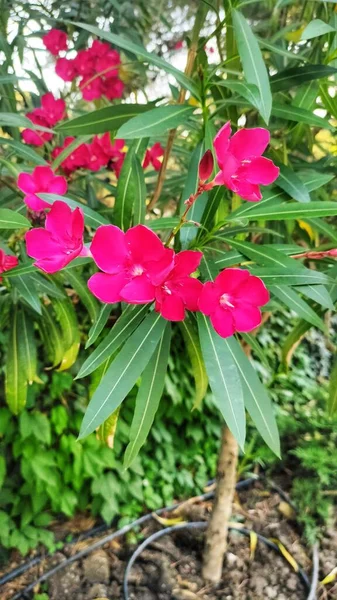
(206,166)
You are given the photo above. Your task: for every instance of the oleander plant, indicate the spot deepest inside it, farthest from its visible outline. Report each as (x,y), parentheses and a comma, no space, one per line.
(129,213)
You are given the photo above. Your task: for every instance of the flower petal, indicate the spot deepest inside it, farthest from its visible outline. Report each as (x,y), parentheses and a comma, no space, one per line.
(55,263)
(253,291)
(186,262)
(190,292)
(40,244)
(248,191)
(108,248)
(246,143)
(158,270)
(221,142)
(172,307)
(58,186)
(35,203)
(59,221)
(77,224)
(138,291)
(259,170)
(143,244)
(26,183)
(43,177)
(246,317)
(223,322)
(209,298)
(106,287)
(230,279)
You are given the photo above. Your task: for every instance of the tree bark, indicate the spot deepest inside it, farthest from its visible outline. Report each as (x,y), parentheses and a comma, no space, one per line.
(217,531)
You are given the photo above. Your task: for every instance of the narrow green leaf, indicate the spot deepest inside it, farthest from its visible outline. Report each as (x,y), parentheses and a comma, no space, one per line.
(119,333)
(332,402)
(26,152)
(214,199)
(15,380)
(281,276)
(295,76)
(27,290)
(110,118)
(52,336)
(223,378)
(27,346)
(141,52)
(98,326)
(123,372)
(191,185)
(329,102)
(323,227)
(81,288)
(290,210)
(195,356)
(148,397)
(256,397)
(131,191)
(300,115)
(316,28)
(92,217)
(255,346)
(248,91)
(156,121)
(9,219)
(292,341)
(253,64)
(317,293)
(140,191)
(291,183)
(271,197)
(293,301)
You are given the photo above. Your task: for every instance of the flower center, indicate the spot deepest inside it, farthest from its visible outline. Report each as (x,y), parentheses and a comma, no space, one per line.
(225,301)
(136,271)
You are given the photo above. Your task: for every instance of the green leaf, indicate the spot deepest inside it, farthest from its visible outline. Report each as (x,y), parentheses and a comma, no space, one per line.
(271,197)
(3,470)
(223,378)
(289,78)
(264,255)
(332,401)
(164,223)
(314,180)
(27,346)
(148,397)
(329,102)
(291,183)
(289,210)
(323,227)
(255,346)
(123,372)
(300,115)
(317,293)
(248,91)
(191,185)
(316,28)
(27,290)
(9,219)
(281,276)
(256,397)
(92,218)
(293,301)
(81,288)
(110,118)
(46,286)
(141,52)
(26,152)
(124,326)
(98,326)
(131,192)
(15,379)
(52,336)
(292,341)
(155,122)
(214,199)
(252,61)
(195,357)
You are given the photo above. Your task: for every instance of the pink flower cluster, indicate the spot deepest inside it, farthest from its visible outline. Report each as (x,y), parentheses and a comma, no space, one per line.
(51,111)
(101,152)
(98,67)
(136,267)
(7,262)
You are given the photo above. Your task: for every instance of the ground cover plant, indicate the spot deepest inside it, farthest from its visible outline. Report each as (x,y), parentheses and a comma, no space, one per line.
(197,215)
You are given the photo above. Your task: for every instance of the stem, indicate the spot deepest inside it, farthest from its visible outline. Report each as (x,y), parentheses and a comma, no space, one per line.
(202,187)
(216,535)
(192,53)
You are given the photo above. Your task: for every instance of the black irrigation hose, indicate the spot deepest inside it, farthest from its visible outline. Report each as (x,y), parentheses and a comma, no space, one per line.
(24,593)
(198,525)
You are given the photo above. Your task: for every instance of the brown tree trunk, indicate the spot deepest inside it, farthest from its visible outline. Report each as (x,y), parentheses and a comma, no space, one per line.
(216,535)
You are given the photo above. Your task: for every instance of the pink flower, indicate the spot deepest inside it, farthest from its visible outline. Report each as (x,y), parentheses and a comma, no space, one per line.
(116,156)
(66,69)
(91,88)
(233,301)
(99,49)
(98,157)
(7,262)
(179,291)
(55,41)
(134,263)
(152,155)
(60,241)
(42,180)
(206,166)
(243,168)
(85,63)
(37,137)
(179,45)
(79,157)
(107,65)
(113,88)
(54,110)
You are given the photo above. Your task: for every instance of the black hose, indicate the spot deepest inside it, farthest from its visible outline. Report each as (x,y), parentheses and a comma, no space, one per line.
(198,525)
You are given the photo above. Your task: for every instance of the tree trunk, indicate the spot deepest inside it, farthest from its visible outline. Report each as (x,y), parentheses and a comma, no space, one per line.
(216,535)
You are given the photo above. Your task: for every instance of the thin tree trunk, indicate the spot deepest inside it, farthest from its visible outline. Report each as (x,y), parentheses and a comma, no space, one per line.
(217,531)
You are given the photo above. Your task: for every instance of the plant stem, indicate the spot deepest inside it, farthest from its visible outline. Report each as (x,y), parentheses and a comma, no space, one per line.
(192,53)
(216,535)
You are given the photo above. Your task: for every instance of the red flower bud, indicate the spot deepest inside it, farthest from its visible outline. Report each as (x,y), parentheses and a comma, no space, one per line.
(206,166)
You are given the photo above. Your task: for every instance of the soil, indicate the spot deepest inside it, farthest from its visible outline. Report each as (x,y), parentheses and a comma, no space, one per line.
(170,569)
